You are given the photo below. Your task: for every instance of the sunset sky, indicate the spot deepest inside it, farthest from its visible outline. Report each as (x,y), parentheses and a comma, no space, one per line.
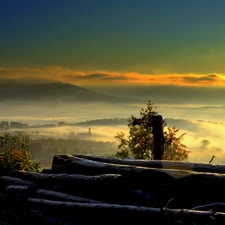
(114,41)
(171,52)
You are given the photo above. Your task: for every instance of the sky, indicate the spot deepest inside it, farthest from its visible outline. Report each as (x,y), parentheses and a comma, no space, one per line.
(104,42)
(171,52)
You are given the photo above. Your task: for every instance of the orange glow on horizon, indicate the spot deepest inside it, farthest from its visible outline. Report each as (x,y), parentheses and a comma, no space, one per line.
(102,77)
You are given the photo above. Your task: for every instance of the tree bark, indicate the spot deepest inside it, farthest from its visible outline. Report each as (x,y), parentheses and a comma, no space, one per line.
(188,186)
(125,214)
(17,188)
(104,187)
(49,194)
(87,213)
(72,179)
(73,164)
(166,164)
(8,180)
(58,196)
(135,177)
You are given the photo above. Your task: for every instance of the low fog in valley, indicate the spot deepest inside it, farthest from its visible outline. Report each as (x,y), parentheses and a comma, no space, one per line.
(204,126)
(197,112)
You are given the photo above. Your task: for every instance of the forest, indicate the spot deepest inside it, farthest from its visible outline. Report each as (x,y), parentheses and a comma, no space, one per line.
(44,149)
(5,125)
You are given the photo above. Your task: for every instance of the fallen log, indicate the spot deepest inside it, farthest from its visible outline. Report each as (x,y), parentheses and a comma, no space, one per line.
(8,180)
(69,191)
(123,214)
(95,187)
(217,206)
(72,164)
(71,179)
(125,196)
(58,196)
(133,175)
(48,194)
(85,213)
(164,164)
(17,188)
(189,187)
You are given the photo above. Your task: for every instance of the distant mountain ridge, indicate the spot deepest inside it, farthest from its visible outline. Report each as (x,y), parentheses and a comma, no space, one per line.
(55,91)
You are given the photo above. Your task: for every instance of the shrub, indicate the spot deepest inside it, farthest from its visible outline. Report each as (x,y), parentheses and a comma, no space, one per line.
(14,155)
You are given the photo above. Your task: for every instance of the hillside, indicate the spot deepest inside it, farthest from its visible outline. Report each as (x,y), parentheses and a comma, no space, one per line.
(54,91)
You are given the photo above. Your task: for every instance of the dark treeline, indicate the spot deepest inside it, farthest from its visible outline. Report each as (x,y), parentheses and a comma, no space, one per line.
(43,149)
(113,122)
(4,125)
(42,146)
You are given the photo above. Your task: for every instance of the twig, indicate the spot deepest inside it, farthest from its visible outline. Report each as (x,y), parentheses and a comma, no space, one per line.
(215,207)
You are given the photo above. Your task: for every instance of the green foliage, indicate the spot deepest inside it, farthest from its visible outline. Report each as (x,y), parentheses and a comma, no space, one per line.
(174,148)
(14,155)
(139,143)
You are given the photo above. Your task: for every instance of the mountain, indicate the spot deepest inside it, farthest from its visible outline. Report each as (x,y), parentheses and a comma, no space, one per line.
(54,91)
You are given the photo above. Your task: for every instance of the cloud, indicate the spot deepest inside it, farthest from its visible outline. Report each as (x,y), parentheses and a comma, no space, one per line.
(204,144)
(101,77)
(204,141)
(206,79)
(188,89)
(96,77)
(204,150)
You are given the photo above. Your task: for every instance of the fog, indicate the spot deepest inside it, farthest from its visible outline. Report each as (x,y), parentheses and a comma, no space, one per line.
(204,125)
(204,139)
(167,94)
(35,113)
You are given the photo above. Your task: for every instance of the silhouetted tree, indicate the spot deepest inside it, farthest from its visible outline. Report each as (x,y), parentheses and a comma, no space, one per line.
(139,143)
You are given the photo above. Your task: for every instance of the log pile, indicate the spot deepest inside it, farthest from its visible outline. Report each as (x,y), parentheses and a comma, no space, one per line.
(87,189)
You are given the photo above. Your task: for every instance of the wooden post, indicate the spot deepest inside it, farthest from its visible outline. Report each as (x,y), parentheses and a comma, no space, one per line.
(157,130)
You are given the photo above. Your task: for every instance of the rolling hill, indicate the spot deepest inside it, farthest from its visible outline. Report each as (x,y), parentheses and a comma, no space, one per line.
(54,91)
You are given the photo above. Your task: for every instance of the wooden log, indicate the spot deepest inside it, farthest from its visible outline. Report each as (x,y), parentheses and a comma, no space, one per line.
(123,196)
(8,180)
(58,196)
(17,188)
(73,164)
(48,194)
(122,214)
(163,184)
(87,213)
(164,164)
(126,196)
(217,206)
(133,175)
(71,179)
(105,187)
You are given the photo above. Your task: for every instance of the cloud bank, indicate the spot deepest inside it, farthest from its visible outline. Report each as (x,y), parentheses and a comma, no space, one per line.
(108,78)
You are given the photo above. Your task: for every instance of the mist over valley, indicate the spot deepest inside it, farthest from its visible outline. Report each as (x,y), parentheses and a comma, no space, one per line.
(203,122)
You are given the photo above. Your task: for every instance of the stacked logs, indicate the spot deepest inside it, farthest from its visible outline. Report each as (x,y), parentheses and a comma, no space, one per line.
(87,189)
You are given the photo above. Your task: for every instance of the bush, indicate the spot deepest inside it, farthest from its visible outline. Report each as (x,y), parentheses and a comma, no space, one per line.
(14,155)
